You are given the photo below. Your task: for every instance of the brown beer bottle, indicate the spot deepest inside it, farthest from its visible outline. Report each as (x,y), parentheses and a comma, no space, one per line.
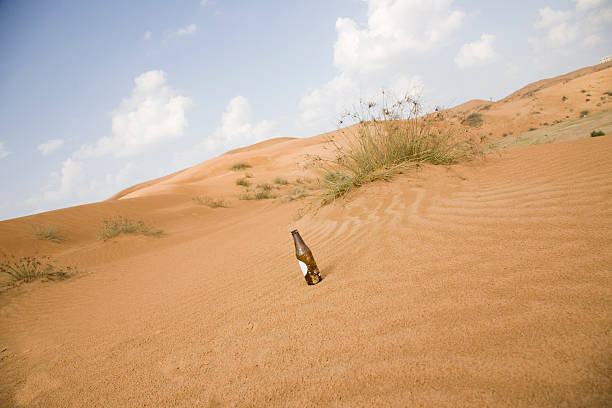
(306,260)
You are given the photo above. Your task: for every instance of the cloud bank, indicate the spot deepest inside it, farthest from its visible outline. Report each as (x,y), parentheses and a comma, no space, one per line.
(375,56)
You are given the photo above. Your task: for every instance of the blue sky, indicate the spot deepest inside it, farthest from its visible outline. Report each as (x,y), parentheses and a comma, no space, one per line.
(101,95)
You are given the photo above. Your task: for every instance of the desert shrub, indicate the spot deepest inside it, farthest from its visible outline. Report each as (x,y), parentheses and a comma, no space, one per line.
(388,139)
(473,119)
(583,90)
(240,166)
(280,180)
(584,113)
(531,129)
(30,268)
(596,133)
(243,182)
(564,98)
(486,107)
(48,233)
(113,226)
(609,93)
(262,192)
(210,202)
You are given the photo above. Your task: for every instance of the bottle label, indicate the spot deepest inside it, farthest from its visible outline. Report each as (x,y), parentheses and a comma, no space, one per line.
(303,267)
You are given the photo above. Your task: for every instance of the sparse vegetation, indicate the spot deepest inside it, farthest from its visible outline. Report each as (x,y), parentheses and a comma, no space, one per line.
(596,133)
(583,90)
(243,182)
(240,166)
(48,233)
(609,93)
(564,98)
(531,129)
(210,202)
(388,140)
(262,192)
(30,268)
(584,113)
(113,226)
(486,107)
(505,134)
(281,181)
(473,120)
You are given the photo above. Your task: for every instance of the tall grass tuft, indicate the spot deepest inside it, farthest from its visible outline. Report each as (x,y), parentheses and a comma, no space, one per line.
(30,268)
(240,166)
(389,138)
(113,226)
(48,233)
(210,202)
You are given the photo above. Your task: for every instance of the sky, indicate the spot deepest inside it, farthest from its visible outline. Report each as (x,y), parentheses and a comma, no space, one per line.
(97,96)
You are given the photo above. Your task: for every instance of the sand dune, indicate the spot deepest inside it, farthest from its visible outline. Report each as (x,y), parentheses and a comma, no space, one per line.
(486,283)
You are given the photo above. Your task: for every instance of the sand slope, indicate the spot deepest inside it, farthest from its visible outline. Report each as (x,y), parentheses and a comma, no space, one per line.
(483,284)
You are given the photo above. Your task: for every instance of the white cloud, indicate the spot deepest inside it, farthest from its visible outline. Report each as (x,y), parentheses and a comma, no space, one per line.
(50,146)
(190,29)
(147,35)
(589,4)
(236,129)
(3,151)
(152,115)
(550,17)
(563,29)
(204,2)
(395,29)
(375,56)
(476,53)
(71,176)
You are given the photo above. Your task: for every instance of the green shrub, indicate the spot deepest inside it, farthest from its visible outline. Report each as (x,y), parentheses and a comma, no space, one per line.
(48,233)
(30,268)
(473,119)
(113,226)
(531,129)
(596,133)
(210,202)
(388,140)
(264,187)
(240,166)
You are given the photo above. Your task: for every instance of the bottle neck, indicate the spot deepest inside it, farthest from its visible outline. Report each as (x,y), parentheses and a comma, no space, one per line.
(300,246)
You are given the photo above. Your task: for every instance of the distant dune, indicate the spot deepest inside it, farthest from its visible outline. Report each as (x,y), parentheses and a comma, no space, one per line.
(485,283)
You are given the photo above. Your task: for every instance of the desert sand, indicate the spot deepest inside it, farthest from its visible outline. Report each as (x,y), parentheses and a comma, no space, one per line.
(485,283)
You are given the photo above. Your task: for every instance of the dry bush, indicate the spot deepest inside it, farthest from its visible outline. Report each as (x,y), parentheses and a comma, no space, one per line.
(389,138)
(113,226)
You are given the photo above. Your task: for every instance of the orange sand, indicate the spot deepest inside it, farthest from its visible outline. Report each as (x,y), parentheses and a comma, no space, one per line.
(482,284)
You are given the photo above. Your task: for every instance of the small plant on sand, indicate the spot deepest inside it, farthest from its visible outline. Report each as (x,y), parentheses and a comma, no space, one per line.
(388,139)
(596,133)
(240,166)
(113,226)
(210,202)
(48,233)
(584,113)
(473,119)
(281,181)
(243,182)
(531,129)
(30,268)
(262,192)
(564,98)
